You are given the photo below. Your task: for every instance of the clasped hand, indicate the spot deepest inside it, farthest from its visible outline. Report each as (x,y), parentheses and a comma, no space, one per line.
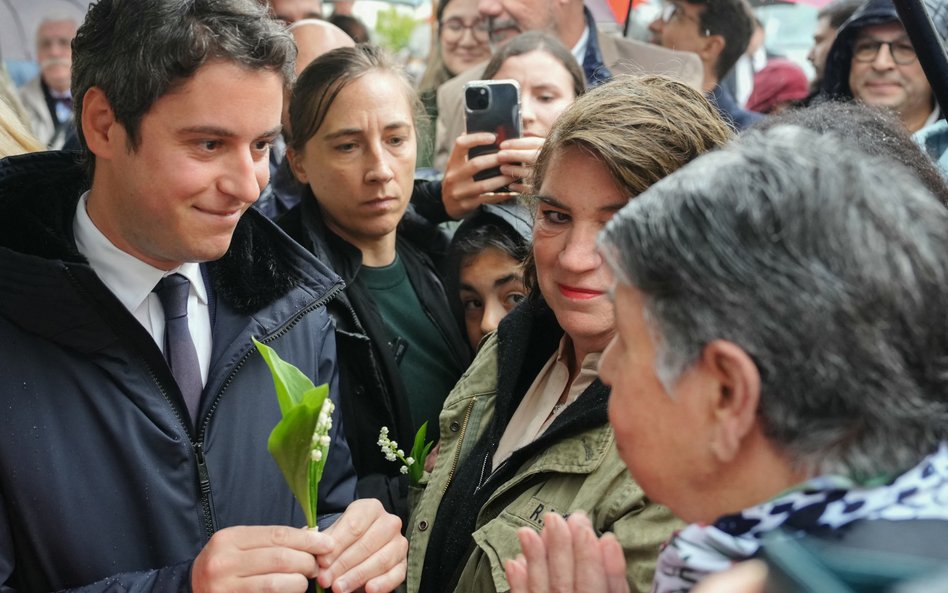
(363,549)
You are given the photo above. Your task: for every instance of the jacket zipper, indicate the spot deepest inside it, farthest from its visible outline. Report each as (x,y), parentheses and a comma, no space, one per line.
(204,477)
(204,481)
(457,450)
(484,478)
(480,479)
(197,445)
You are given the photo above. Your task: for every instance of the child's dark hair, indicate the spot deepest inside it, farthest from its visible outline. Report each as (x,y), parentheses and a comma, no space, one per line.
(495,235)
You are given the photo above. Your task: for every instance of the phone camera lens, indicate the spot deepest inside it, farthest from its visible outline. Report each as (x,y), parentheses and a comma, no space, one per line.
(478,98)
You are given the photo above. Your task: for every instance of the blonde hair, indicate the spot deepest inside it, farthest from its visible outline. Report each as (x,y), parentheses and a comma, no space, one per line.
(15,138)
(641,128)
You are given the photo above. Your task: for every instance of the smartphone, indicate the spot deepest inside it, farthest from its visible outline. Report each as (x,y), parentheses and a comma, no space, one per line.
(492,106)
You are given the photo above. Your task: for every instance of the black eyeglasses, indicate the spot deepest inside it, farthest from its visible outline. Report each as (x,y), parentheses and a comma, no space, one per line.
(901,50)
(454,27)
(674,12)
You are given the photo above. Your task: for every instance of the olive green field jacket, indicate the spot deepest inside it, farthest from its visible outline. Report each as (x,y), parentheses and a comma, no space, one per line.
(583,472)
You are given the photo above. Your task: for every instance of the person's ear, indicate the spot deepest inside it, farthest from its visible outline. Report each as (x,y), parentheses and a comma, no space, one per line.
(711,48)
(735,399)
(296,164)
(99,126)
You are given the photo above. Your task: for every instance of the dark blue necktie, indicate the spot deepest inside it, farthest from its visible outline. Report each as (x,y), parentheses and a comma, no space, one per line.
(179,347)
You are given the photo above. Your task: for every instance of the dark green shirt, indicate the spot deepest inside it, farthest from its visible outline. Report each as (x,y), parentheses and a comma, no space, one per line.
(421,351)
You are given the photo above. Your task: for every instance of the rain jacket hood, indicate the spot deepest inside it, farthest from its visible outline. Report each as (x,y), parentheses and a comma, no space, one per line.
(875,12)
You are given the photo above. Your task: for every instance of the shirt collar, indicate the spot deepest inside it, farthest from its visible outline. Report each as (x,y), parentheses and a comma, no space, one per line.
(130,279)
(933,116)
(590,362)
(579,50)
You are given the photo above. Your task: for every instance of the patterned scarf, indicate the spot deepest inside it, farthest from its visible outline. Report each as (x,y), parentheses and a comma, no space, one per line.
(822,503)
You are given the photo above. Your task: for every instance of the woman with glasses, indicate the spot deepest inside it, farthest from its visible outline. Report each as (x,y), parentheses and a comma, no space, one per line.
(462,44)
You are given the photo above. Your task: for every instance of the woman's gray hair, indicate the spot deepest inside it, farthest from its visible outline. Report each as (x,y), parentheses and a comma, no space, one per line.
(828,267)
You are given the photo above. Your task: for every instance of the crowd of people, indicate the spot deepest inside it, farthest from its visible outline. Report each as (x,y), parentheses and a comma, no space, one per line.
(690,318)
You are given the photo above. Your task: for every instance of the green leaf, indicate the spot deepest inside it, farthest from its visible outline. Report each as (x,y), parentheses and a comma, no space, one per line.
(419,443)
(291,441)
(315,397)
(290,383)
(289,444)
(419,452)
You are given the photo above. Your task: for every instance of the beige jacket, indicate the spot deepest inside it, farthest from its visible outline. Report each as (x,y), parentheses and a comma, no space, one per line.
(620,55)
(44,128)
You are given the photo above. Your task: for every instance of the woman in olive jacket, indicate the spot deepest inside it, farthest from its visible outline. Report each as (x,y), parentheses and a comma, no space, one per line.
(525,431)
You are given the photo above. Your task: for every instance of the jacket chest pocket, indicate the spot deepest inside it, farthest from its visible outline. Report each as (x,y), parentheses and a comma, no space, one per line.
(497,540)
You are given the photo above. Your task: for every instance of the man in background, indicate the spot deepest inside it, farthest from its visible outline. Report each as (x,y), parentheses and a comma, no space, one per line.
(599,55)
(828,21)
(873,61)
(47,97)
(718,32)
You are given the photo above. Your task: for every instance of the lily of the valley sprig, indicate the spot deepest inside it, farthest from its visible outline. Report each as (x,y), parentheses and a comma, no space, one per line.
(414,464)
(299,443)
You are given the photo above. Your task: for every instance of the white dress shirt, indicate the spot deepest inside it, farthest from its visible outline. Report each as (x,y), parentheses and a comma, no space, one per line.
(132,280)
(579,50)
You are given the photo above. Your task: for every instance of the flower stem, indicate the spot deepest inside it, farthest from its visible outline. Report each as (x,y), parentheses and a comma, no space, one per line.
(313,479)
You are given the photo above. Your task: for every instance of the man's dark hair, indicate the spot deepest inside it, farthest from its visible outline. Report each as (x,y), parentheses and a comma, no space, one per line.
(137,52)
(731,19)
(838,12)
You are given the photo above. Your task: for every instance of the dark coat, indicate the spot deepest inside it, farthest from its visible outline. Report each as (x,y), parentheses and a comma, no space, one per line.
(100,475)
(736,116)
(373,392)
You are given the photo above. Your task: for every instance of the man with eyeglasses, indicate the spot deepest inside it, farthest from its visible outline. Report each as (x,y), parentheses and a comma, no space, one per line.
(718,32)
(600,55)
(873,61)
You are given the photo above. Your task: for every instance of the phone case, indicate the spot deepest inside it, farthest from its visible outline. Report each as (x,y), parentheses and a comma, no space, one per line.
(500,115)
